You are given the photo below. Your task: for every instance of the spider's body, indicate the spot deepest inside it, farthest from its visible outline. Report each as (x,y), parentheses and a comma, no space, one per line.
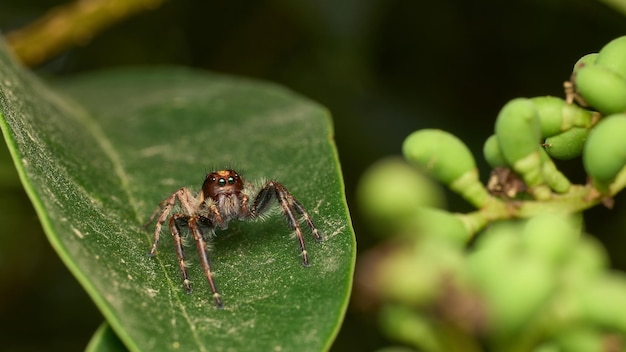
(224,196)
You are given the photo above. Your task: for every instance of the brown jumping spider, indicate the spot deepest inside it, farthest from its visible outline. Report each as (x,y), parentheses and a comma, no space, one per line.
(224,196)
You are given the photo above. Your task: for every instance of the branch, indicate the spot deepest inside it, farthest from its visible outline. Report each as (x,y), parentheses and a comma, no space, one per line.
(70,25)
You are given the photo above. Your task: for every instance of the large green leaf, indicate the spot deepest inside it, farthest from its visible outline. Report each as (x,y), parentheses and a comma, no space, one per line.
(98,152)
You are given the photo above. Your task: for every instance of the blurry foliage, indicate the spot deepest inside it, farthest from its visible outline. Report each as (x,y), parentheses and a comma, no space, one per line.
(384,69)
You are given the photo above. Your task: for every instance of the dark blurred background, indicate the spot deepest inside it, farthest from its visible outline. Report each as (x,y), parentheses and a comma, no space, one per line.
(384,68)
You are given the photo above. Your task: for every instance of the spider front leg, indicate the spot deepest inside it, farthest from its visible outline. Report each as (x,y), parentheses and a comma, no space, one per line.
(186,199)
(178,246)
(164,207)
(290,206)
(194,227)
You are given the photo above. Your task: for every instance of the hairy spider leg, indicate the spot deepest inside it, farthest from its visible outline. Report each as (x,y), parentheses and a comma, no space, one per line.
(262,200)
(178,246)
(170,200)
(165,207)
(307,218)
(289,206)
(204,258)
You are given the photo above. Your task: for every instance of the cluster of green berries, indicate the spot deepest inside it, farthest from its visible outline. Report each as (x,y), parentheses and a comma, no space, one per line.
(530,132)
(538,285)
(599,81)
(532,281)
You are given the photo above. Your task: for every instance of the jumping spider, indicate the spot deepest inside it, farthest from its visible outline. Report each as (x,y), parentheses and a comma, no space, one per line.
(224,196)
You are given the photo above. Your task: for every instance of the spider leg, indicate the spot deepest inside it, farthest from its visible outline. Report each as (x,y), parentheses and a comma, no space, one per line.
(185,198)
(194,227)
(164,207)
(178,245)
(263,199)
(290,207)
(300,209)
(156,211)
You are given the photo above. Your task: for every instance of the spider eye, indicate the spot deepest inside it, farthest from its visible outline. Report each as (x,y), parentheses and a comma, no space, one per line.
(221,182)
(231,180)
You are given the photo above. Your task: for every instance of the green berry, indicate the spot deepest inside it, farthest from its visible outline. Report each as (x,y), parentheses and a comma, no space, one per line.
(449,160)
(520,292)
(518,130)
(492,153)
(586,261)
(567,145)
(411,273)
(549,173)
(391,191)
(514,284)
(604,301)
(552,176)
(602,88)
(556,116)
(519,133)
(604,154)
(411,327)
(588,59)
(442,225)
(551,237)
(404,276)
(440,153)
(613,56)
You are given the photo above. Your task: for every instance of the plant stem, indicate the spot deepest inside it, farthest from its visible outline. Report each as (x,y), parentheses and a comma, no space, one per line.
(70,25)
(578,198)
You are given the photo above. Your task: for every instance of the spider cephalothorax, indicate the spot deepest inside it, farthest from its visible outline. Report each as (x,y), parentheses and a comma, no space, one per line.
(224,196)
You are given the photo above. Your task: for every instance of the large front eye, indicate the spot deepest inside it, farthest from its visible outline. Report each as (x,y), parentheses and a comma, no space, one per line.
(231,180)
(221,182)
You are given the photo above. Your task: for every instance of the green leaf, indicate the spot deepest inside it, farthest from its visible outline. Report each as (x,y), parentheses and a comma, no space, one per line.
(105,340)
(98,152)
